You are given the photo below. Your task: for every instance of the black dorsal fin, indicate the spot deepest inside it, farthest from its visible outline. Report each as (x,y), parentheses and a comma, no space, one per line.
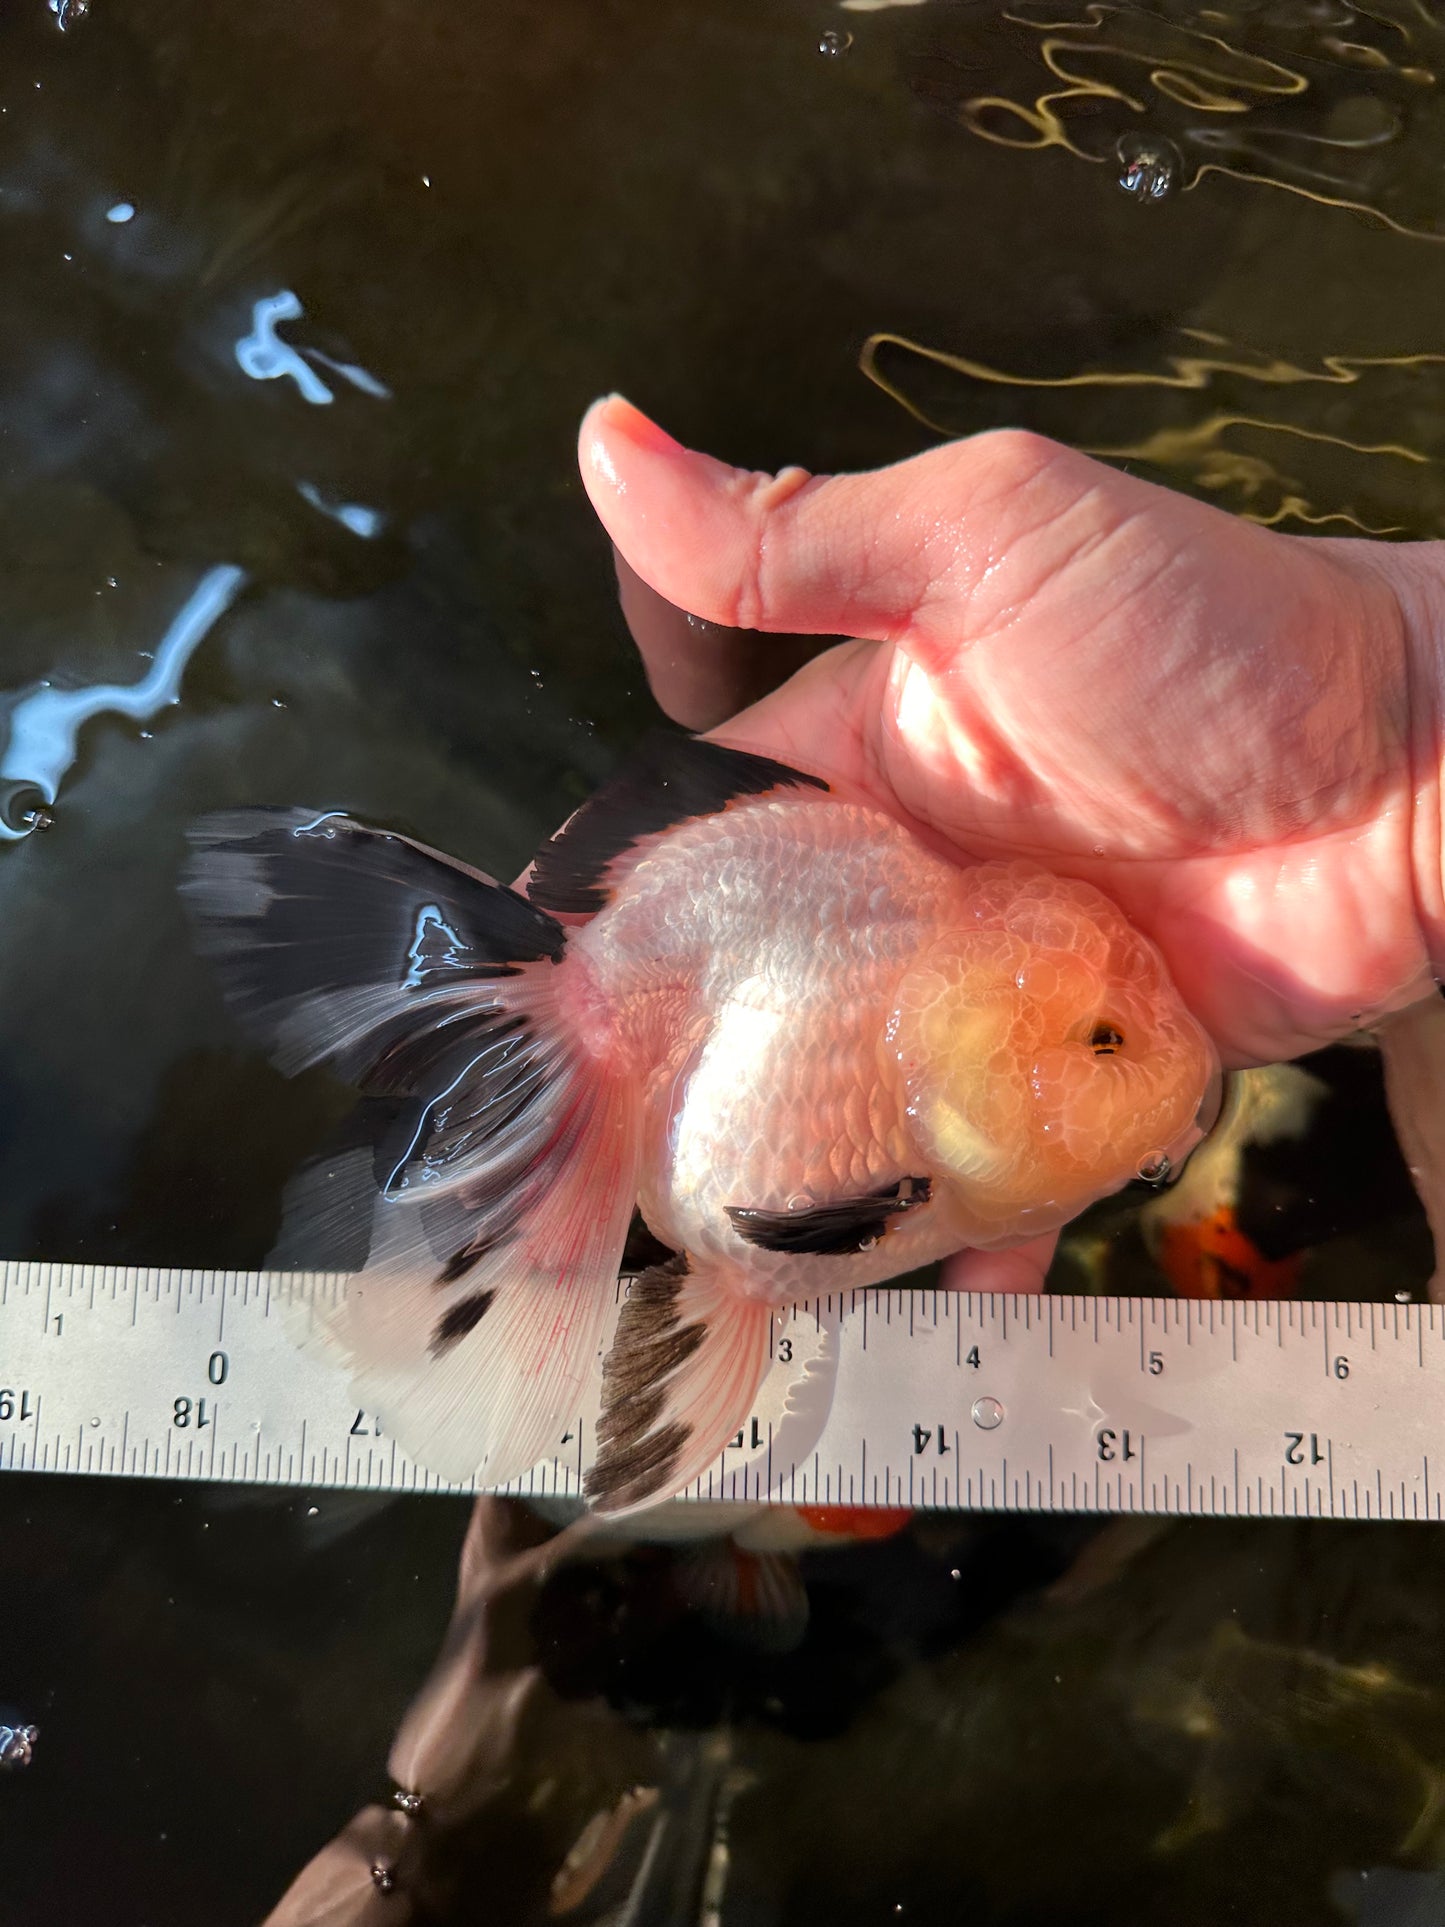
(672,779)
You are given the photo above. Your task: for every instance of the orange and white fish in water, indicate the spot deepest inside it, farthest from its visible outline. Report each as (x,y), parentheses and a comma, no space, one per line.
(1193,1229)
(812,1053)
(738,1562)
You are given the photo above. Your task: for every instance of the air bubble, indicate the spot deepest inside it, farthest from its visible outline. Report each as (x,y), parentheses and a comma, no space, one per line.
(69,12)
(406,1800)
(1150,167)
(1405,1297)
(383,1878)
(1155,1168)
(834,43)
(987,1413)
(36,820)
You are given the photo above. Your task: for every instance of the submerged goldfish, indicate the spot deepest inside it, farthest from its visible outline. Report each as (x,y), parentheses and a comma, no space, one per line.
(809,1051)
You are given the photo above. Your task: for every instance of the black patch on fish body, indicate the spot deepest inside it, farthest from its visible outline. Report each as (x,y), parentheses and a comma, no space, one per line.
(831,1230)
(674,779)
(463,1317)
(651,1342)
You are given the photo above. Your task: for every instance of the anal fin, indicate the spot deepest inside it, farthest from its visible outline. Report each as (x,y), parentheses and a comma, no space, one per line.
(680,1378)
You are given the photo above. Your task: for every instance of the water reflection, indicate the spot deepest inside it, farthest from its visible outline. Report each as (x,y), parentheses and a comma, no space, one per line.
(1326,101)
(1195,415)
(365,522)
(45,722)
(17,1743)
(264,356)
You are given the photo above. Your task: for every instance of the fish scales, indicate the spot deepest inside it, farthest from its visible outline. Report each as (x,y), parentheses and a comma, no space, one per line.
(813,1053)
(793,947)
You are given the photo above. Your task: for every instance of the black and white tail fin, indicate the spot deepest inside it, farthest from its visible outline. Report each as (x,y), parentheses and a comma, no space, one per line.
(504,1179)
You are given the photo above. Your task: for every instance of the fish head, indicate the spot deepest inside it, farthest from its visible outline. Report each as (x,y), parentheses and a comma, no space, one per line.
(1046,1055)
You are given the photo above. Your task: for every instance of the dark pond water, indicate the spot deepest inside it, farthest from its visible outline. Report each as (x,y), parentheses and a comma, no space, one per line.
(299,309)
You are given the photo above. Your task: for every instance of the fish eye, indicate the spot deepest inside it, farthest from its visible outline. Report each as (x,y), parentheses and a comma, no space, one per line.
(1105,1039)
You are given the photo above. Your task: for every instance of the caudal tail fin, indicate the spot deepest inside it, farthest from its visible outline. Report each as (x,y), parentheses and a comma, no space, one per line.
(503,1178)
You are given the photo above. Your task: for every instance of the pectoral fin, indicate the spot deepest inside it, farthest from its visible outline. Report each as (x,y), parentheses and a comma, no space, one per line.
(840,1226)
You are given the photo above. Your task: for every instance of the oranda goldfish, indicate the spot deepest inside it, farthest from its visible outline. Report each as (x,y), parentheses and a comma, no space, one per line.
(811,1052)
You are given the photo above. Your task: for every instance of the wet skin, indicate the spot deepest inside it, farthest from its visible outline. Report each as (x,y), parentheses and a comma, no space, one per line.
(1236,734)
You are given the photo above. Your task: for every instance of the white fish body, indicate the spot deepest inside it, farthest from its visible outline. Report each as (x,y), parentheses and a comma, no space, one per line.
(811,1052)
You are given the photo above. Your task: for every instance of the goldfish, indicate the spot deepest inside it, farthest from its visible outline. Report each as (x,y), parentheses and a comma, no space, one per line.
(739,1568)
(732,996)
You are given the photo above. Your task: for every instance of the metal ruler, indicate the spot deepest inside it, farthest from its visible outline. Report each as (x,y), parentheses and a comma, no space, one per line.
(920,1398)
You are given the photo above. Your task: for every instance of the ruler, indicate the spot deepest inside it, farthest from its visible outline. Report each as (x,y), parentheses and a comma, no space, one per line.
(926,1398)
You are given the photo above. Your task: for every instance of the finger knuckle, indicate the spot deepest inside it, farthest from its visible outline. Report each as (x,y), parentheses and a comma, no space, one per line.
(1012,461)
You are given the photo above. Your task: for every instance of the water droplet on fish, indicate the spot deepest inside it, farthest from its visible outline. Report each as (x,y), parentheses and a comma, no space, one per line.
(833,43)
(1150,166)
(382,1877)
(406,1800)
(987,1413)
(1155,1168)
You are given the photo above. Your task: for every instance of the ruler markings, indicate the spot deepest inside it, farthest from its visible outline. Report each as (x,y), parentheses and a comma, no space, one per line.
(1103,1409)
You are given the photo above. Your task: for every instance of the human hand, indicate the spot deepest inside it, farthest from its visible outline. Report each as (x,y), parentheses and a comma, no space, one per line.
(1235,734)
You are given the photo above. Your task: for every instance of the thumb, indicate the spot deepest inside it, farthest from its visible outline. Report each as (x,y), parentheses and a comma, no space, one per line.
(877,555)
